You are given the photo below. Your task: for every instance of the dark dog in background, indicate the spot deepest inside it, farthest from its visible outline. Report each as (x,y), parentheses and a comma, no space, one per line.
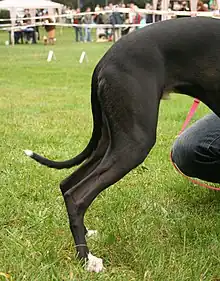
(181,55)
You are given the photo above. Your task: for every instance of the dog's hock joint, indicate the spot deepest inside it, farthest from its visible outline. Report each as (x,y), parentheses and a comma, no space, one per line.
(28,152)
(94,264)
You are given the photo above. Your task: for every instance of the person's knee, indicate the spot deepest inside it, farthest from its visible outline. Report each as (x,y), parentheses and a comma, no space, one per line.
(183,154)
(196,151)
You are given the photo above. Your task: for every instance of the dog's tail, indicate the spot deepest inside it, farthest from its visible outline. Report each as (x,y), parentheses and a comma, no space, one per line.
(96,134)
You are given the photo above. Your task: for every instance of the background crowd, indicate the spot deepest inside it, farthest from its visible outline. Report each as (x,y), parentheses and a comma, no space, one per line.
(110,14)
(102,15)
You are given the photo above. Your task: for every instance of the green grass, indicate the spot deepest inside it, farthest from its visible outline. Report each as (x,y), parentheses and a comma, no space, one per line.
(153,225)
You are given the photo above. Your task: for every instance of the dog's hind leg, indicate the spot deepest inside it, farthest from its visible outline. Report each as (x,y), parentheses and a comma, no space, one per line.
(85,169)
(131,139)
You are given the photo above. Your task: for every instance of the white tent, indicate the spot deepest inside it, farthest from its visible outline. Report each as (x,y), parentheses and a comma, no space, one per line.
(13,5)
(27,4)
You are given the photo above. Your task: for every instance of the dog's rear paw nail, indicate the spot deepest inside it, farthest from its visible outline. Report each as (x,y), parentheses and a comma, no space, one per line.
(92,233)
(94,264)
(28,152)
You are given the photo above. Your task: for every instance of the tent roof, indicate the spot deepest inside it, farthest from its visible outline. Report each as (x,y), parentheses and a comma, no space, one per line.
(28,4)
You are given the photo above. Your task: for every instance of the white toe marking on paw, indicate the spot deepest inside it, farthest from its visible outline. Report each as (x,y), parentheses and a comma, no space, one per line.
(94,264)
(28,152)
(91,233)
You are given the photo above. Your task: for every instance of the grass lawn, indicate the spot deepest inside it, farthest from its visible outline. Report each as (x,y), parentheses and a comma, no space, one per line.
(153,225)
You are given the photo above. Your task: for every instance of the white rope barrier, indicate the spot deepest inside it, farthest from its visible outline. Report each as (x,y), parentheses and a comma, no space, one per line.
(125,11)
(23,27)
(169,13)
(9,27)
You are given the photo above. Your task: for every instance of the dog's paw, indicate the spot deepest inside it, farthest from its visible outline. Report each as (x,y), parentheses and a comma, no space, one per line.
(94,264)
(28,152)
(91,233)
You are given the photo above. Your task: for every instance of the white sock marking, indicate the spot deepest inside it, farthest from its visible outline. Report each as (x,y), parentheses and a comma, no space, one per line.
(94,264)
(28,152)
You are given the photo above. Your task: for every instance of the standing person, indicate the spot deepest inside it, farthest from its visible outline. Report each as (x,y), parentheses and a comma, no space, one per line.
(149,17)
(134,16)
(78,29)
(132,13)
(106,20)
(159,6)
(125,30)
(202,7)
(87,19)
(100,32)
(137,19)
(29,31)
(213,6)
(183,7)
(50,29)
(142,21)
(37,30)
(116,18)
(97,8)
(69,15)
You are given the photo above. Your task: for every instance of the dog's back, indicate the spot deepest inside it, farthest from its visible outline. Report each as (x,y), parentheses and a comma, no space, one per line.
(183,54)
(192,35)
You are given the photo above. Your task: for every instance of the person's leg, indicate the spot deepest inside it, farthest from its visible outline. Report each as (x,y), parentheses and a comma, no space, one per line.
(196,152)
(16,37)
(29,35)
(22,37)
(38,33)
(119,33)
(86,34)
(106,33)
(89,39)
(76,31)
(97,34)
(25,36)
(81,34)
(34,39)
(116,34)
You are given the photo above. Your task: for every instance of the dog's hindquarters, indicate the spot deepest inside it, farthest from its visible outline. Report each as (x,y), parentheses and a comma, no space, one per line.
(129,119)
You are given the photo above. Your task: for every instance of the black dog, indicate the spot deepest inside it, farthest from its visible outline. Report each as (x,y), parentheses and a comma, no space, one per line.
(181,55)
